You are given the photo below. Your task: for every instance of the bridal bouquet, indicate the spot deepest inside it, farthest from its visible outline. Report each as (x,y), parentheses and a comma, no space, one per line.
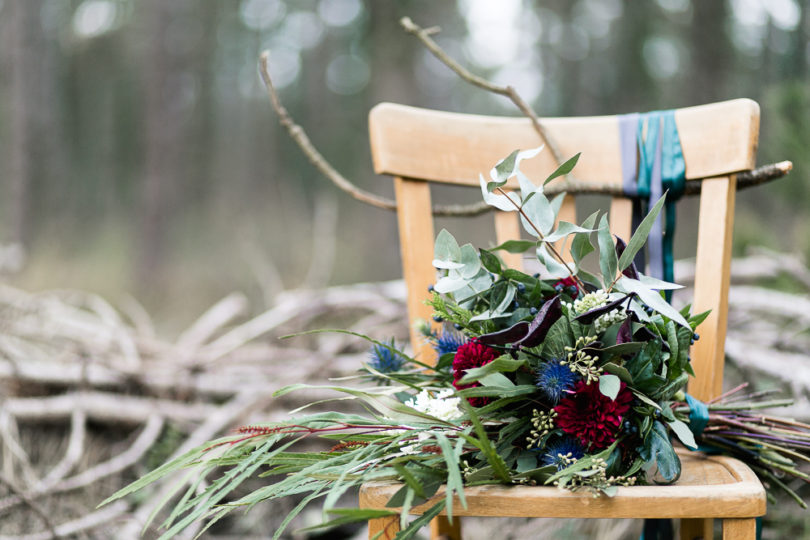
(562,377)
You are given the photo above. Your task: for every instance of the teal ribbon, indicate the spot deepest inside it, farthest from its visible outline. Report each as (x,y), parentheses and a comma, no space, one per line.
(661,167)
(698,415)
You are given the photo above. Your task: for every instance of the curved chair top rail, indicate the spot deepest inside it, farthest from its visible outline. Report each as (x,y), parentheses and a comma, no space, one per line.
(717,139)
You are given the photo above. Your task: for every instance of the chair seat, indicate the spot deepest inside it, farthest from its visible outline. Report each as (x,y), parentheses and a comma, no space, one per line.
(710,486)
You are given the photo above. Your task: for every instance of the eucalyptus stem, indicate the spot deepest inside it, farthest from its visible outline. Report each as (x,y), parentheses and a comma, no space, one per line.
(542,237)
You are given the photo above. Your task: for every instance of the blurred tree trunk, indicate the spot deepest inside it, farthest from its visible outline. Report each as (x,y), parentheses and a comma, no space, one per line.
(712,53)
(24,63)
(163,144)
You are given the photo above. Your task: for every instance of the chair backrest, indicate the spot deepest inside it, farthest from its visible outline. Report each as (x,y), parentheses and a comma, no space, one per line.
(419,146)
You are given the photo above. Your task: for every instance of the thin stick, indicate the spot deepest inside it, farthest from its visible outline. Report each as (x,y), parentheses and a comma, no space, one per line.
(548,244)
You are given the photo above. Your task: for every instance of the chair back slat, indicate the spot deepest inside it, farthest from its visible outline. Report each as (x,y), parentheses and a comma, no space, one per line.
(717,140)
(419,146)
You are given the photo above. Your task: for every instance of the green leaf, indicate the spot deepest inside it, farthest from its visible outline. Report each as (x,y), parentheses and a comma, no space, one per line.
(491,262)
(564,229)
(651,298)
(502,364)
(446,253)
(538,214)
(684,434)
(563,169)
(581,244)
(454,482)
(658,451)
(498,380)
(608,264)
(470,261)
(506,167)
(516,246)
(609,386)
(640,236)
(619,371)
(484,444)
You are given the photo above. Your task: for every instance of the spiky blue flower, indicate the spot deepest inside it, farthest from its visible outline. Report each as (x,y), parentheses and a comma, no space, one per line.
(561,451)
(386,359)
(449,342)
(555,380)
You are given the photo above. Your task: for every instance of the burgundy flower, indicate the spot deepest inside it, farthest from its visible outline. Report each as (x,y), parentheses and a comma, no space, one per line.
(593,418)
(468,356)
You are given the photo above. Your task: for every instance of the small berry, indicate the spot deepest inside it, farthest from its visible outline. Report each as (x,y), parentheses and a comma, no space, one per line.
(437,318)
(457,326)
(515,304)
(533,311)
(536,275)
(558,287)
(430,288)
(521,287)
(695,337)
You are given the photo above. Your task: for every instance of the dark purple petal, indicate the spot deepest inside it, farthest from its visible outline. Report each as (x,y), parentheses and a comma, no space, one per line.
(625,334)
(512,334)
(548,315)
(631,271)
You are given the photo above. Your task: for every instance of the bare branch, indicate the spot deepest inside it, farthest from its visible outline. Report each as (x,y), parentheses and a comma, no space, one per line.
(508,91)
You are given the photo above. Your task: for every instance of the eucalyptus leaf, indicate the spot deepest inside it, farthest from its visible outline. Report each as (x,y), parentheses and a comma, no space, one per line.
(652,298)
(581,244)
(608,262)
(565,229)
(506,203)
(609,386)
(516,246)
(538,215)
(446,250)
(640,236)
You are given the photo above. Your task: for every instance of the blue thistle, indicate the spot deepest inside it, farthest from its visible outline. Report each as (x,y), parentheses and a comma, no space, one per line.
(555,380)
(386,359)
(449,342)
(564,446)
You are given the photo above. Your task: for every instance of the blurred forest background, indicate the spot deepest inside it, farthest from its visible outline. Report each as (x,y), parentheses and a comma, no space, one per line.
(139,153)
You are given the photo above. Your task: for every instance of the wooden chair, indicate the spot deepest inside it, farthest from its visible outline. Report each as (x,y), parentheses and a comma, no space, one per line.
(419,146)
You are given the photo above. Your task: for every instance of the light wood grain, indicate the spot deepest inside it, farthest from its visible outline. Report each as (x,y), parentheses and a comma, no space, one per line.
(386,527)
(621,218)
(717,139)
(739,529)
(712,278)
(416,246)
(709,487)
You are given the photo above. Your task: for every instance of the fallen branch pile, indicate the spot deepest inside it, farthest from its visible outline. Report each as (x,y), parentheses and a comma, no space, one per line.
(76,373)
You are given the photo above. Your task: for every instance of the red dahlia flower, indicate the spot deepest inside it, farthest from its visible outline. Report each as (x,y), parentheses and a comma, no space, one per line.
(593,418)
(468,356)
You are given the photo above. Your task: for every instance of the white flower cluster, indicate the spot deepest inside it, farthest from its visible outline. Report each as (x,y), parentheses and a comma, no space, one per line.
(590,301)
(612,317)
(442,406)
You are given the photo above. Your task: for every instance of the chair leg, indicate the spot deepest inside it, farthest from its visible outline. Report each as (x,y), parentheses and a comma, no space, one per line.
(697,529)
(442,529)
(740,529)
(388,526)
